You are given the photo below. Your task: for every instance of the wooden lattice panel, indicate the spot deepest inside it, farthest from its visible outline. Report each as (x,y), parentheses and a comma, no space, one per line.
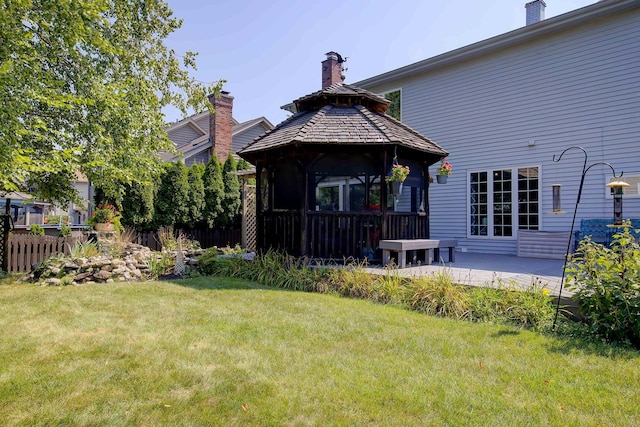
(251,218)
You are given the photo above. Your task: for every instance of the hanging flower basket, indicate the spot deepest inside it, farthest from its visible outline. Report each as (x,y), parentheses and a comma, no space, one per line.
(398,173)
(444,171)
(395,188)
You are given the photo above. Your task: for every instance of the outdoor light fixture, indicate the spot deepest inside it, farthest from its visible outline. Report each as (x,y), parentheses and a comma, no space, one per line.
(616,191)
(617,208)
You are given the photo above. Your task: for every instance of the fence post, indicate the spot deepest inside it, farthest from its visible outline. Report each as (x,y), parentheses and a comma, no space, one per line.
(4,249)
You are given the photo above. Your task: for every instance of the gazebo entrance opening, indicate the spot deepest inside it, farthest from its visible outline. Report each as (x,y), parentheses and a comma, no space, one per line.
(345,208)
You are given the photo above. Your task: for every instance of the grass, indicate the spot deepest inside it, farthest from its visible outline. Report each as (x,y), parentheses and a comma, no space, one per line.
(212,351)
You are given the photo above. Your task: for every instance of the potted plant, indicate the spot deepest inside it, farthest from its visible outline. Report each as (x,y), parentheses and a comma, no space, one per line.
(105,218)
(444,171)
(396,177)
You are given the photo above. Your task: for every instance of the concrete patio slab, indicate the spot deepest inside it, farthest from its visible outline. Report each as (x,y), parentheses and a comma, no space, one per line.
(476,269)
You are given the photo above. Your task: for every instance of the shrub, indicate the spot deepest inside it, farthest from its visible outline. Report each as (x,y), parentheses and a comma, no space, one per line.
(65,231)
(531,307)
(437,295)
(36,230)
(606,281)
(83,250)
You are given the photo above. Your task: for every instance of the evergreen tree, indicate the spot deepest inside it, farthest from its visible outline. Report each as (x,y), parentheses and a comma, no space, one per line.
(172,200)
(243,165)
(197,202)
(137,206)
(232,199)
(213,191)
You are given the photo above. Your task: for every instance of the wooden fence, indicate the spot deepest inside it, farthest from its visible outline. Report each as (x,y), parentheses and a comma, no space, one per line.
(25,250)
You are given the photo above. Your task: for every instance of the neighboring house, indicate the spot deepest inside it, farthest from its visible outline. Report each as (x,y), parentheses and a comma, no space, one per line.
(24,209)
(505,106)
(200,135)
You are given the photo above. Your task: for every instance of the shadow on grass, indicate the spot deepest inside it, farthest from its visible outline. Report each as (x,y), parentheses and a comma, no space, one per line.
(572,337)
(505,332)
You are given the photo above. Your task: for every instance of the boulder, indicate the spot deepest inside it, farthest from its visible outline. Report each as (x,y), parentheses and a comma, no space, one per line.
(102,275)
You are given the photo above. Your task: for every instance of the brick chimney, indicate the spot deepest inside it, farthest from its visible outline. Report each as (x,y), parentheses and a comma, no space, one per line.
(332,69)
(535,11)
(221,125)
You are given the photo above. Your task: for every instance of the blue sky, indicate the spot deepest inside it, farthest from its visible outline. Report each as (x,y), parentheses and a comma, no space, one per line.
(269,52)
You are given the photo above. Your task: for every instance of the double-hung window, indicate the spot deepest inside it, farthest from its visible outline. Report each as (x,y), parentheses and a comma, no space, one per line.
(502,201)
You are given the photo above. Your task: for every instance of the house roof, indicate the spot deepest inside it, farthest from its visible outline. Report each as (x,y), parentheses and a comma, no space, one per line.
(203,142)
(341,94)
(192,121)
(506,40)
(342,119)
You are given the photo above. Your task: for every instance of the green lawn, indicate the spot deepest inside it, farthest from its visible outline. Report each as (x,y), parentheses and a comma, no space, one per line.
(225,352)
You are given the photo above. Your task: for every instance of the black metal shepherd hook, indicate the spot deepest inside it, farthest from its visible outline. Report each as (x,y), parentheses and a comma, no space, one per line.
(585,169)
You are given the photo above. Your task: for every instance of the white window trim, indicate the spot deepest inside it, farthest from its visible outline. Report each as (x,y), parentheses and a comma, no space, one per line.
(625,178)
(514,201)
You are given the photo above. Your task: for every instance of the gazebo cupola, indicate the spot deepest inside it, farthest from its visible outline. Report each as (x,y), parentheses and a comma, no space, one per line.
(321,188)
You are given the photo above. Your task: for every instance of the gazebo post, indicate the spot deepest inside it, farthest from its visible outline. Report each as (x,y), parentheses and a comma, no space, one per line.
(425,196)
(383,195)
(305,209)
(259,210)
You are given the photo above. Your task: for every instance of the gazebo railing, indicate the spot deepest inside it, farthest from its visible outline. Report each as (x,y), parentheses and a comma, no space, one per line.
(343,234)
(407,225)
(282,231)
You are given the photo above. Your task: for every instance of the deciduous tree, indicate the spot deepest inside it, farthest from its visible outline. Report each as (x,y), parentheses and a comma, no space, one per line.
(82,86)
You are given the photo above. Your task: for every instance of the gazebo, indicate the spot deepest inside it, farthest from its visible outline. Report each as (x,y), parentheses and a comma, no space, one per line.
(320,176)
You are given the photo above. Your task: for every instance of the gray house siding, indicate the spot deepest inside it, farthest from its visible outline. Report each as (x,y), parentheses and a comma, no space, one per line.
(203,122)
(520,105)
(201,157)
(241,140)
(184,135)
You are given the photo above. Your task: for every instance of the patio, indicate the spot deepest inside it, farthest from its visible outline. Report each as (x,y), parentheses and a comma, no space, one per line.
(476,269)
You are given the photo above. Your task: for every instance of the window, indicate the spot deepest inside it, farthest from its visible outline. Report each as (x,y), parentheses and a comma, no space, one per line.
(395,107)
(630,192)
(493,211)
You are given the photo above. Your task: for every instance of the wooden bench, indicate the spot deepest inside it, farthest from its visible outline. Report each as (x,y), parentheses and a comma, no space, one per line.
(404,247)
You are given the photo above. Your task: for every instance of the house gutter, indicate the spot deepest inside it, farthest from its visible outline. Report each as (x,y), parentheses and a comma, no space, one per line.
(565,21)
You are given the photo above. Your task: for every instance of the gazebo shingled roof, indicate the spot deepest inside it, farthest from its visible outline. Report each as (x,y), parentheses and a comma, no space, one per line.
(341,114)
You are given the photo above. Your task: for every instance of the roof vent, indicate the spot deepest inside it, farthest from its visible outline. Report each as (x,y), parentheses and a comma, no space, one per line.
(535,11)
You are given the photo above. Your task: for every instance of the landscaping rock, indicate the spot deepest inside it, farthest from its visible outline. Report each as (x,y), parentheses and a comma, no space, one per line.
(82,276)
(103,275)
(131,265)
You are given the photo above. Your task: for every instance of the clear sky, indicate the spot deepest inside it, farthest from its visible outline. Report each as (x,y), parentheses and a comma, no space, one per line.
(269,51)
